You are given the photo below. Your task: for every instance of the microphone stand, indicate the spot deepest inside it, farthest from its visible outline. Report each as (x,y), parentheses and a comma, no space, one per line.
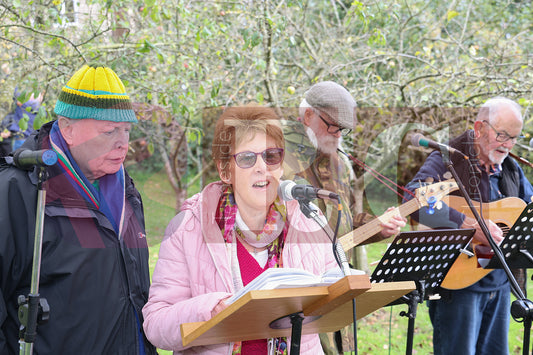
(33,309)
(522,308)
(338,252)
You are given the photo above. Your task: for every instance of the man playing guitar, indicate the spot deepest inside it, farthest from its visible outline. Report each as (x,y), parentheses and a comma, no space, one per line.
(474,319)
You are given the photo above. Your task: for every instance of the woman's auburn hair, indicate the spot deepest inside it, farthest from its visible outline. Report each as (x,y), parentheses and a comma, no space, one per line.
(237,124)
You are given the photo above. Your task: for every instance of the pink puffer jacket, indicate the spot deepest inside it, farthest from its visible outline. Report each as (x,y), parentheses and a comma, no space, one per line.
(193,270)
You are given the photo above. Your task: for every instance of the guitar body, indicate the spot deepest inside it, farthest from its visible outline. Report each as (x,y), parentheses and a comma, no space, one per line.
(465,271)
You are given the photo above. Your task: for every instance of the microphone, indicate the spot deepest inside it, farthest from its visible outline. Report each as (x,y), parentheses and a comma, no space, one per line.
(289,190)
(26,159)
(419,140)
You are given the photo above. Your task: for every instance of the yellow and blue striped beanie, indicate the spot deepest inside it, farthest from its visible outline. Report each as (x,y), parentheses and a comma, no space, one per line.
(95,93)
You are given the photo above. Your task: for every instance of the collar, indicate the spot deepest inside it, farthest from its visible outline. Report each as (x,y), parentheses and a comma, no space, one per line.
(494,169)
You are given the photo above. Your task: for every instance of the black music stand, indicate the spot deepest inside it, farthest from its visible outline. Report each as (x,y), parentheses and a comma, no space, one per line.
(518,243)
(423,257)
(516,248)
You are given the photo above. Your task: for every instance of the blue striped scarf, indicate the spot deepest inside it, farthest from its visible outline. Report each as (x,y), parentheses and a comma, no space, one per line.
(107,194)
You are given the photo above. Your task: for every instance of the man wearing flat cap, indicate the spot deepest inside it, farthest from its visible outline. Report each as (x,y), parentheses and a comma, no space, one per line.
(94,268)
(326,114)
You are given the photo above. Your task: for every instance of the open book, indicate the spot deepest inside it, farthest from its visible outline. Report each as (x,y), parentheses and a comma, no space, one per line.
(290,277)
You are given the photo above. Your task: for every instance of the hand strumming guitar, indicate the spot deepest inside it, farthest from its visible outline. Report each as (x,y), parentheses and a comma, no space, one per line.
(495,231)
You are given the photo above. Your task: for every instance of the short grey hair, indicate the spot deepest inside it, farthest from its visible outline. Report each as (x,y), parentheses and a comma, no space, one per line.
(489,110)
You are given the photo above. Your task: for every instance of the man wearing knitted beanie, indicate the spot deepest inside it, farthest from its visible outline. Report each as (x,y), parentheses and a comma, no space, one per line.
(312,142)
(94,267)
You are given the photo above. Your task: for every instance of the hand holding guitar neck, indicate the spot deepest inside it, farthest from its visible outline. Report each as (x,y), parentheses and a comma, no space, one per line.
(394,224)
(427,195)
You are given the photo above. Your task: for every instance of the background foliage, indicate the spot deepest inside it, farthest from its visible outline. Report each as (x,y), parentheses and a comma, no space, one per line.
(185,56)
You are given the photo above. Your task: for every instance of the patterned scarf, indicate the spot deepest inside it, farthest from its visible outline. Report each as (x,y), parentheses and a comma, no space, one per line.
(226,219)
(107,194)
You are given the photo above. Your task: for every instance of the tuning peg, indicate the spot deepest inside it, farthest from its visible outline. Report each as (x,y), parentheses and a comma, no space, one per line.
(431,205)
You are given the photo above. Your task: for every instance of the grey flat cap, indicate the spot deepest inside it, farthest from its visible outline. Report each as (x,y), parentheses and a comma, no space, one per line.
(335,101)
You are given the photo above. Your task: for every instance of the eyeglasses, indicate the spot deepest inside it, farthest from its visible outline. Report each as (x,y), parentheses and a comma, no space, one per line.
(503,137)
(334,129)
(271,156)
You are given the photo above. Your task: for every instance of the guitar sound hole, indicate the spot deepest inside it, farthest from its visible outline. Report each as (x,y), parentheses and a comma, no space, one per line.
(504,227)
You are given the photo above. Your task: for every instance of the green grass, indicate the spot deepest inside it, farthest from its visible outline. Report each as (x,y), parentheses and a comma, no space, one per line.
(382,332)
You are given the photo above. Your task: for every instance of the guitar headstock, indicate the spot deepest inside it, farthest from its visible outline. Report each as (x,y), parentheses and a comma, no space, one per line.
(429,195)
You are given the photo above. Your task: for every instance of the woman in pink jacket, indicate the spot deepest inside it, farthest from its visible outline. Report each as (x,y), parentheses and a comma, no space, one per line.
(229,234)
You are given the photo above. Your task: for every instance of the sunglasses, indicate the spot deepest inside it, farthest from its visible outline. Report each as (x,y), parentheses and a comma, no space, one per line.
(271,156)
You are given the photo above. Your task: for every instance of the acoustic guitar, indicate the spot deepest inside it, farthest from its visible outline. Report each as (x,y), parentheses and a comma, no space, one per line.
(465,271)
(424,196)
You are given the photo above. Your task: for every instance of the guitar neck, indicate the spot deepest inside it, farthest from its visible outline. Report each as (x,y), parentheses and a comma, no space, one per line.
(367,230)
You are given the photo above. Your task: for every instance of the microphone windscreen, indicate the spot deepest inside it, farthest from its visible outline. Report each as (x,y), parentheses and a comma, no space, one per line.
(284,190)
(415,139)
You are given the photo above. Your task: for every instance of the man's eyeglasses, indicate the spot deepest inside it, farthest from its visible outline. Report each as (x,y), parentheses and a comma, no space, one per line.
(271,156)
(334,129)
(503,137)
